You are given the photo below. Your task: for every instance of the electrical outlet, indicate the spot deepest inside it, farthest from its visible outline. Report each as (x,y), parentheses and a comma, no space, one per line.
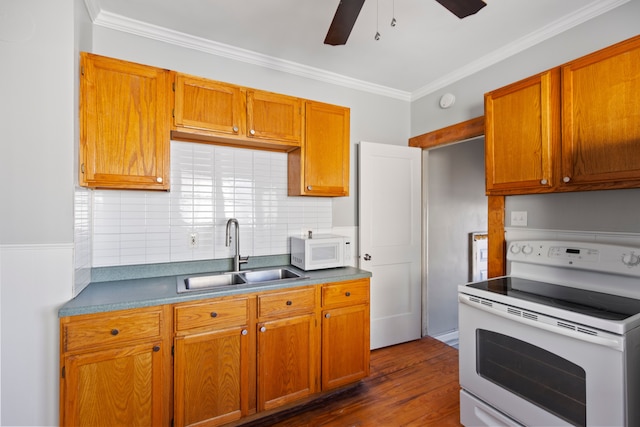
(193,240)
(519,218)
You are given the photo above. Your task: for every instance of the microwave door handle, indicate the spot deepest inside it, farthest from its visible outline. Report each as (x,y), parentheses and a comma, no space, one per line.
(616,344)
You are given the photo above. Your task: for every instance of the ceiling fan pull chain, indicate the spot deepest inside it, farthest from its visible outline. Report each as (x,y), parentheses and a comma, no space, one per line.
(393,15)
(377,36)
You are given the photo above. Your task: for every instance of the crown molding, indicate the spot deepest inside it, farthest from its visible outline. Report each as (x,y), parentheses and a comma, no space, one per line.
(588,12)
(143,29)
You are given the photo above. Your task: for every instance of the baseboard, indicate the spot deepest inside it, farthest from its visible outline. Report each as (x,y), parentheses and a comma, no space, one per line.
(450,338)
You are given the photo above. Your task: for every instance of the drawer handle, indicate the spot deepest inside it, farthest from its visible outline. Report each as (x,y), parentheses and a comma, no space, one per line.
(347,293)
(156,348)
(289,302)
(214,314)
(115,332)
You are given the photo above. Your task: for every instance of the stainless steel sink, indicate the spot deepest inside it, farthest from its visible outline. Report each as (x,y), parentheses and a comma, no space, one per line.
(276,274)
(245,279)
(195,283)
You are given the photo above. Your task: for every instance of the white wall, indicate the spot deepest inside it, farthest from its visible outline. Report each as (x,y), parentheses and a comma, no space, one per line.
(457,206)
(37,124)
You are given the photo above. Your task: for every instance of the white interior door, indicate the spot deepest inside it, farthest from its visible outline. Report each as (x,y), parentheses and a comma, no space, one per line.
(390,239)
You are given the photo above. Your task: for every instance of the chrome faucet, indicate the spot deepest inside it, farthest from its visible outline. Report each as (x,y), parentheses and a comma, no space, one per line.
(237,259)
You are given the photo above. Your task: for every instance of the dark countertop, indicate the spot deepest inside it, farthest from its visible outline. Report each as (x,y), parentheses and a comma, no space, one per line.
(144,292)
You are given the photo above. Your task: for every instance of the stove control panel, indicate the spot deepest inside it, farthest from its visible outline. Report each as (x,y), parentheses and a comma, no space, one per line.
(579,255)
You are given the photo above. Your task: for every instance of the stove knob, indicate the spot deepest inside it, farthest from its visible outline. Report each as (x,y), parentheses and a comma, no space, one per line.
(631,259)
(527,249)
(514,249)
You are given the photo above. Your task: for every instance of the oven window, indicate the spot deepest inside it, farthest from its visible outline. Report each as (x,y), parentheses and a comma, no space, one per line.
(535,374)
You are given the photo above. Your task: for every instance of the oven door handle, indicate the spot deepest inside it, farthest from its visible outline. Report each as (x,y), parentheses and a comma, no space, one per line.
(611,341)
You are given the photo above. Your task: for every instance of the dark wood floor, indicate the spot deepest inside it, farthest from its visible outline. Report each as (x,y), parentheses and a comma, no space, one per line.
(411,384)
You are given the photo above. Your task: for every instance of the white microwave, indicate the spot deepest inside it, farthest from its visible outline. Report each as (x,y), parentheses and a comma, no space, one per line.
(320,251)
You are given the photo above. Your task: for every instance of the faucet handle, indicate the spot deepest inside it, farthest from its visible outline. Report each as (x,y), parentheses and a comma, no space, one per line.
(243,259)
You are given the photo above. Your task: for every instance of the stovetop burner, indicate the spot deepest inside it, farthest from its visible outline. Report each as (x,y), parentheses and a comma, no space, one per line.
(591,303)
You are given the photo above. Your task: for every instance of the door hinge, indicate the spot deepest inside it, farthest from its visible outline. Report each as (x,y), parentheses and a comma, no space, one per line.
(173,113)
(82,168)
(82,70)
(64,372)
(173,350)
(173,86)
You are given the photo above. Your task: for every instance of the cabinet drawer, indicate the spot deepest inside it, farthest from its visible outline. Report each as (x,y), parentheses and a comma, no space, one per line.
(283,304)
(211,314)
(95,331)
(351,292)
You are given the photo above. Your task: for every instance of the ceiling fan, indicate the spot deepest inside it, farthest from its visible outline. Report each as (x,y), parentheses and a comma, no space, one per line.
(348,11)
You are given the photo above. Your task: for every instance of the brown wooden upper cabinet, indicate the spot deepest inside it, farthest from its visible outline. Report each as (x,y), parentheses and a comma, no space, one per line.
(572,128)
(218,112)
(601,117)
(521,135)
(124,124)
(321,166)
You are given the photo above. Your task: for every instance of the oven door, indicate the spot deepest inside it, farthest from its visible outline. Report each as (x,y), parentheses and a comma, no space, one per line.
(539,374)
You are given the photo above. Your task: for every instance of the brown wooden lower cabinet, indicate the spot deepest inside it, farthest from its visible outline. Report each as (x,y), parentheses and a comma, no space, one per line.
(345,333)
(211,360)
(115,368)
(232,357)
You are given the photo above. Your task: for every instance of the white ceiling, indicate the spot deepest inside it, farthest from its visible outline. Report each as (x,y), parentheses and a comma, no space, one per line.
(428,48)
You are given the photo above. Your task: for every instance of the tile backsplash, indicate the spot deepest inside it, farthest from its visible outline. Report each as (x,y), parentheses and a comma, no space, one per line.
(209,185)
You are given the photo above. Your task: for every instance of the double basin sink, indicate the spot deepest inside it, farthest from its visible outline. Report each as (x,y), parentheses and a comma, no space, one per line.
(225,281)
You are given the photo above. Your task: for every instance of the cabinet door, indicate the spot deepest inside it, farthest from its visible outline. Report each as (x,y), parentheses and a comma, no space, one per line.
(120,386)
(321,166)
(522,135)
(208,107)
(345,345)
(211,377)
(287,360)
(274,117)
(125,124)
(601,116)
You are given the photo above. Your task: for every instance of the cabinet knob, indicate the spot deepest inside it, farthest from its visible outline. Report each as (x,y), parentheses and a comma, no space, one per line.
(156,348)
(367,257)
(309,187)
(566,179)
(328,315)
(544,182)
(348,294)
(263,329)
(235,129)
(115,332)
(252,132)
(159,179)
(214,314)
(289,302)
(245,332)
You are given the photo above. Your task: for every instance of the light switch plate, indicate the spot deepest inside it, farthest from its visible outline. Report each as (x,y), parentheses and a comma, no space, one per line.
(519,218)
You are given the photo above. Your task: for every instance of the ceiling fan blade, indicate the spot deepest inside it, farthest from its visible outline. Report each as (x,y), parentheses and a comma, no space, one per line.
(343,21)
(463,8)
